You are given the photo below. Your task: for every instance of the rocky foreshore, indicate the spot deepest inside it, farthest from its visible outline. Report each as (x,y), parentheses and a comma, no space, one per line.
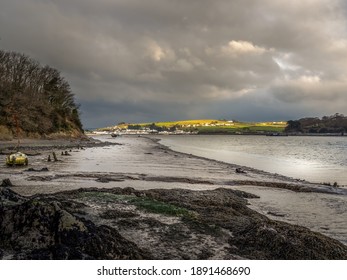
(140,200)
(124,223)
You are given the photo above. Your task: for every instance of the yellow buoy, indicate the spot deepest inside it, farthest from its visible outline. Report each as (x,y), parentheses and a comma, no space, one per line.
(17,159)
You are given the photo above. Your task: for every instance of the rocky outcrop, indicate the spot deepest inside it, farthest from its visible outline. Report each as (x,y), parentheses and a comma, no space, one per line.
(254,236)
(39,228)
(161,224)
(272,240)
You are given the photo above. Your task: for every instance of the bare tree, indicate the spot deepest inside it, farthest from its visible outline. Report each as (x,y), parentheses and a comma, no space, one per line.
(40,97)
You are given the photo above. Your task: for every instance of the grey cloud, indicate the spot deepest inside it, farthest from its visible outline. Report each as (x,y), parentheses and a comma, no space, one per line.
(313,92)
(174,59)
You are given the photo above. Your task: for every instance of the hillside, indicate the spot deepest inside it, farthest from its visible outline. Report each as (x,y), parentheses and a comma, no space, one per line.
(35,100)
(206,126)
(328,124)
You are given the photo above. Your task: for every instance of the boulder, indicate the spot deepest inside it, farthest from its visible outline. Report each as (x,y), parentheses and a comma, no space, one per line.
(40,228)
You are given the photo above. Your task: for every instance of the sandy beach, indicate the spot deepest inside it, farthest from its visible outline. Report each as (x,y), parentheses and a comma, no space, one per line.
(137,162)
(215,215)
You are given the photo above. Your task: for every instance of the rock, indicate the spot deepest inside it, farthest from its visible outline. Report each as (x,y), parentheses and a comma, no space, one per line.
(240,170)
(55,156)
(275,214)
(39,228)
(254,236)
(133,224)
(43,169)
(6,183)
(278,240)
(40,178)
(103,180)
(7,195)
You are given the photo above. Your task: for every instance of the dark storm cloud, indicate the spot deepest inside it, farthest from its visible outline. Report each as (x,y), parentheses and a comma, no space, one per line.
(132,60)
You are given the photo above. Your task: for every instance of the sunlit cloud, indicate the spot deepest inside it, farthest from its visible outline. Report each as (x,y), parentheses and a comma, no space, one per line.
(242,47)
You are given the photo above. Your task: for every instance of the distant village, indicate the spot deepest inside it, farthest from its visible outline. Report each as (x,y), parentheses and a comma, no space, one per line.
(193,127)
(177,129)
(144,131)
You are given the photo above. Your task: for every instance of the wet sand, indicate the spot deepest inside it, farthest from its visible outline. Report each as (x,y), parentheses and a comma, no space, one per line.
(143,164)
(137,162)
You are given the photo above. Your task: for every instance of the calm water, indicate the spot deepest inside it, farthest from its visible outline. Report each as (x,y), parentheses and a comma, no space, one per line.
(316,159)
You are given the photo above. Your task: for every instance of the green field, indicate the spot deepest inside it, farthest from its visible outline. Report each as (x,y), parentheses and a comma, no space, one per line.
(244,128)
(210,126)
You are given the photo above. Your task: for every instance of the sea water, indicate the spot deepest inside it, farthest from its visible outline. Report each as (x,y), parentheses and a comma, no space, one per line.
(316,159)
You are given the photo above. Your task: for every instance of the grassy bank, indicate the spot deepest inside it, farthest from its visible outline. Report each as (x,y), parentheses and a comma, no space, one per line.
(206,126)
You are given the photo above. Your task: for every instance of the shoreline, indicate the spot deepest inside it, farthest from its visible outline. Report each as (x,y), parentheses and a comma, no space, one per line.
(247,177)
(28,145)
(317,161)
(169,177)
(293,184)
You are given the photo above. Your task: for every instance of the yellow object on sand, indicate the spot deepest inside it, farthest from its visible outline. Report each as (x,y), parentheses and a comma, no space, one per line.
(17,159)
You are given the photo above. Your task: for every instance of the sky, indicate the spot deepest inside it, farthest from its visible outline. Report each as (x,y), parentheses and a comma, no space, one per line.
(161,60)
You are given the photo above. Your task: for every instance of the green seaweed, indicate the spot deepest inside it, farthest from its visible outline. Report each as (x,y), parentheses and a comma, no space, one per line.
(144,203)
(160,207)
